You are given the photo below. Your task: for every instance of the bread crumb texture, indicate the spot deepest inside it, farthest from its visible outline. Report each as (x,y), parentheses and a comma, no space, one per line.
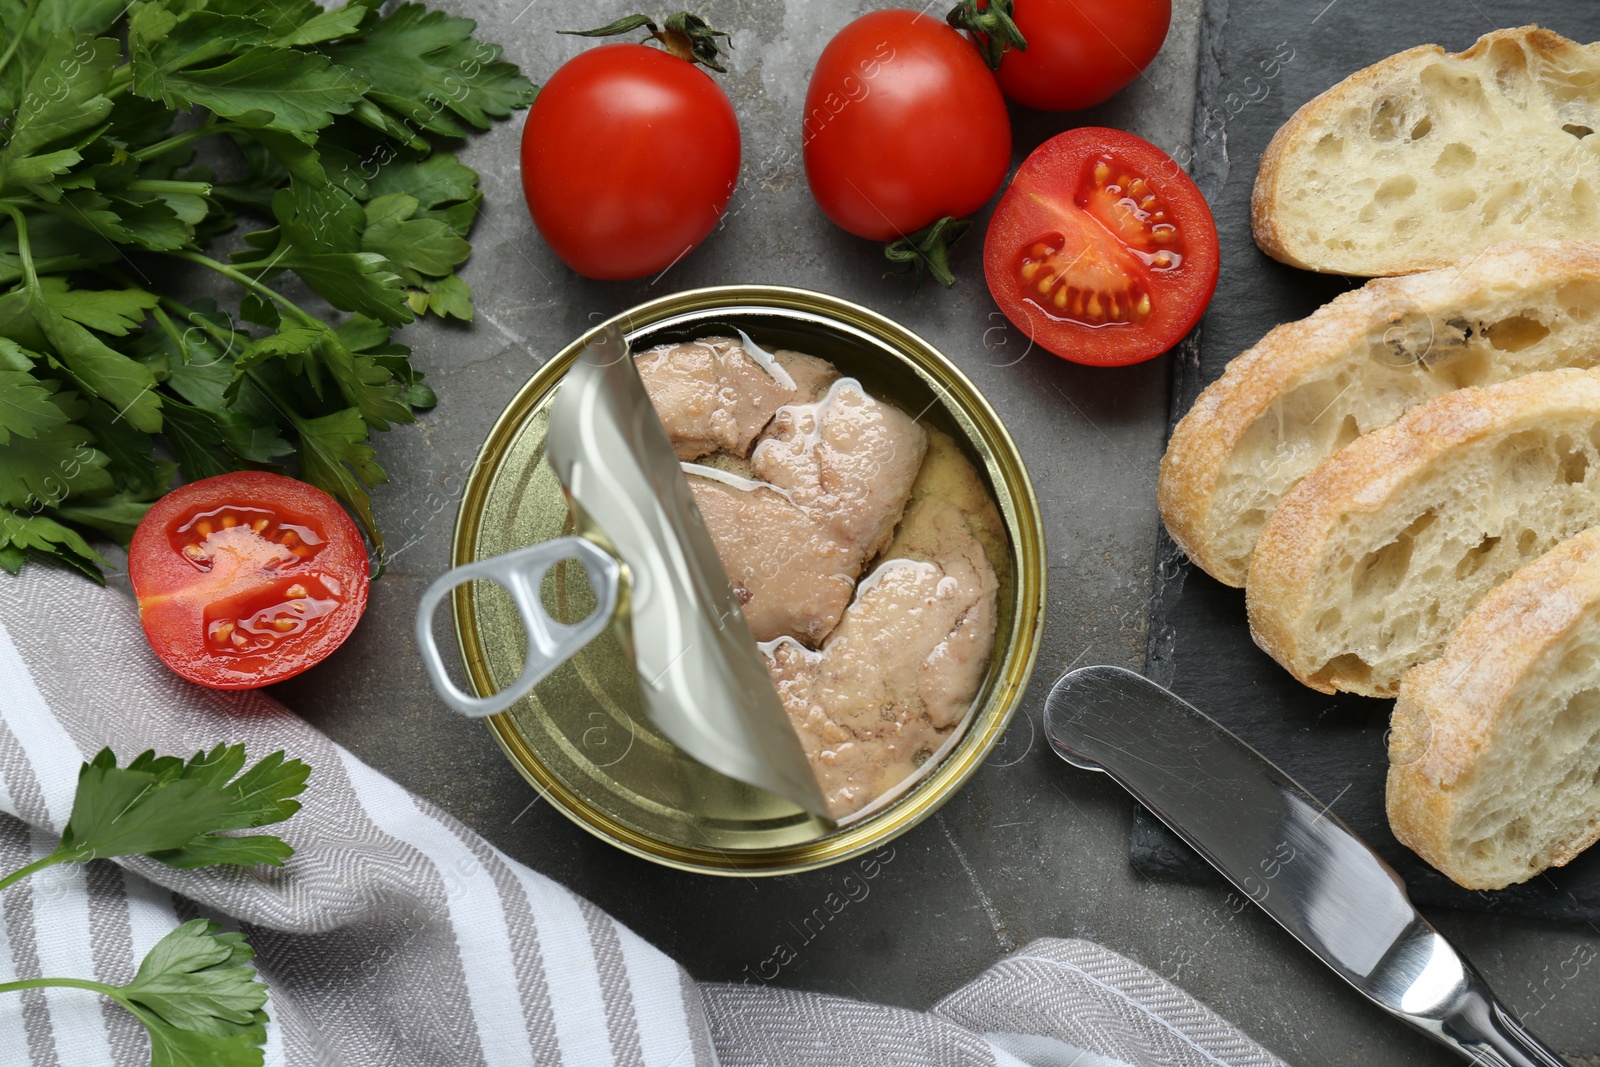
(1378,555)
(1426,157)
(1356,365)
(1495,752)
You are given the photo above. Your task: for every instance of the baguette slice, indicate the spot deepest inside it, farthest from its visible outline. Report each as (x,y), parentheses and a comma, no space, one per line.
(1376,556)
(1495,752)
(1424,158)
(1357,364)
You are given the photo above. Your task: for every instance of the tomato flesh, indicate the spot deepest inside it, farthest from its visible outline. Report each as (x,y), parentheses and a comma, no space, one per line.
(1099,276)
(904,125)
(246,579)
(629,159)
(1102,250)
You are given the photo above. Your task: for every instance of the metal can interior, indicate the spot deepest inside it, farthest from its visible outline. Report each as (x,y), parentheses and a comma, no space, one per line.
(581,738)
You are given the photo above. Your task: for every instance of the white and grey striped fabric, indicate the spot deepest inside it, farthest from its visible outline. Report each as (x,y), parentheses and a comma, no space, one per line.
(396,936)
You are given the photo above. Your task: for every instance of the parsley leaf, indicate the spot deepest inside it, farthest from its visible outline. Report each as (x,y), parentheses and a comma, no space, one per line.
(415,246)
(173,811)
(114,516)
(300,92)
(334,114)
(335,457)
(196,994)
(424,66)
(199,997)
(65,98)
(44,470)
(26,405)
(22,532)
(113,311)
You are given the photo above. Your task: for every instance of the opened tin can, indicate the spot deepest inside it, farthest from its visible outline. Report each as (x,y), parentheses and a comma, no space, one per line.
(581,737)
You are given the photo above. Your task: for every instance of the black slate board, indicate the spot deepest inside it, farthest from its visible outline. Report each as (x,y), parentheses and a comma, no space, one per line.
(1260,60)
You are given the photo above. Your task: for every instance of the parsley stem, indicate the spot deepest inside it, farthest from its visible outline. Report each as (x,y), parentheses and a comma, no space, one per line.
(121,80)
(193,318)
(33,868)
(276,400)
(245,280)
(72,983)
(24,250)
(160,186)
(165,322)
(22,31)
(178,140)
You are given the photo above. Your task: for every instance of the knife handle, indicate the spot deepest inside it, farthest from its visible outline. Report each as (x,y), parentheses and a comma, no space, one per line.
(1488,1034)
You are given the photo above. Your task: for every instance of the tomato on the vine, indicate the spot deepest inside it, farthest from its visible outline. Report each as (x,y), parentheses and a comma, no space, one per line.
(904,125)
(1079,52)
(1102,249)
(629,159)
(246,579)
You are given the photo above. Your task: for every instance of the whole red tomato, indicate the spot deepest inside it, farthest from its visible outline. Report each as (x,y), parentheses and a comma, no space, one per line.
(904,125)
(629,158)
(247,578)
(1102,250)
(1080,52)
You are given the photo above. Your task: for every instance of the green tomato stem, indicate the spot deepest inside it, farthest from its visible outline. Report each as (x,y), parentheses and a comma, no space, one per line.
(994,23)
(928,250)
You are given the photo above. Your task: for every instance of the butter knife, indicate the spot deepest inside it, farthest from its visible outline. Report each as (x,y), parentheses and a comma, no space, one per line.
(1287,852)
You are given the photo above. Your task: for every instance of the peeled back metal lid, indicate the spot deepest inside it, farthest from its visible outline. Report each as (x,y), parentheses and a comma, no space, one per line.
(703,681)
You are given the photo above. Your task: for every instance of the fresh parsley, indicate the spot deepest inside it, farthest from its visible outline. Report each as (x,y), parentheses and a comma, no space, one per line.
(175,811)
(321,123)
(195,992)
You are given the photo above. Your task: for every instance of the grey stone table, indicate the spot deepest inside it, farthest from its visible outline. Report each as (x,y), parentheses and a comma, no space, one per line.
(1029,847)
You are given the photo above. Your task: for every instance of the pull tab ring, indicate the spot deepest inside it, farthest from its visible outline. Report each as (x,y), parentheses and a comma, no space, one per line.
(550,641)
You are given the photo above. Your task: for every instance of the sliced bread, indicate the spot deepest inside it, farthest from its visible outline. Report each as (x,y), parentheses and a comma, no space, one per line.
(1495,752)
(1376,556)
(1311,387)
(1425,157)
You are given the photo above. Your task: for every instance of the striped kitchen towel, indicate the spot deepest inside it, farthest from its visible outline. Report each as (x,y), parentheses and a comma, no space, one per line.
(396,936)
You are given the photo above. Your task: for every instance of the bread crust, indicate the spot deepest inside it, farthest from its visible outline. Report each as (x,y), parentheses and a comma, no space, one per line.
(1279,241)
(1273,239)
(1282,590)
(1206,437)
(1453,709)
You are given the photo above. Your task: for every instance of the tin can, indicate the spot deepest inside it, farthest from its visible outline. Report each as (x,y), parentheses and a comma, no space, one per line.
(581,738)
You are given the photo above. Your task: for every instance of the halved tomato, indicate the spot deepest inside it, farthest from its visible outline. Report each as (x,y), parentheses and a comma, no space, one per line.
(1102,250)
(247,579)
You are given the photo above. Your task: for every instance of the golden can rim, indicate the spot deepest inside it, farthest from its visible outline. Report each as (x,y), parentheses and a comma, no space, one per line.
(1024,526)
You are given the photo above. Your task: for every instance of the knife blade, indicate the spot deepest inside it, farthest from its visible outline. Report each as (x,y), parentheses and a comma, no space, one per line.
(1286,851)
